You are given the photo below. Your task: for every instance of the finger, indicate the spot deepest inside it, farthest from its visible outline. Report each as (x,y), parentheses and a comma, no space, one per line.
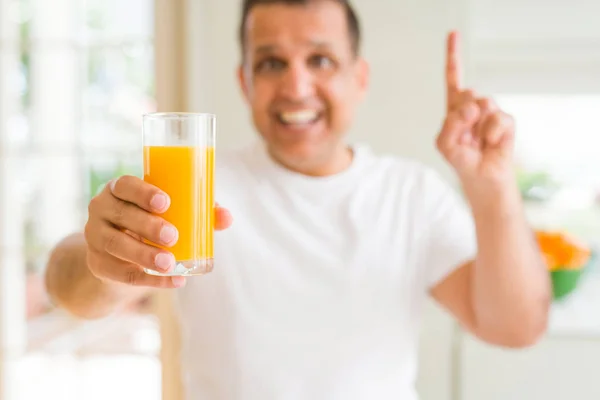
(132,234)
(486,107)
(453,67)
(223,218)
(497,127)
(134,190)
(127,248)
(461,98)
(468,96)
(132,218)
(486,104)
(103,238)
(109,268)
(457,124)
(471,140)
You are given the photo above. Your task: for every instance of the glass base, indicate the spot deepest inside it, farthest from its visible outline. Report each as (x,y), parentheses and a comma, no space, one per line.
(187,268)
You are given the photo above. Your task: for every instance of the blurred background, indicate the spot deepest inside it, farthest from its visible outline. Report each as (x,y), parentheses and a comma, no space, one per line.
(76,76)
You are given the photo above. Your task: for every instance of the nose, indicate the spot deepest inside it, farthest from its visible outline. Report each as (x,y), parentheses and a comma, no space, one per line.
(297,82)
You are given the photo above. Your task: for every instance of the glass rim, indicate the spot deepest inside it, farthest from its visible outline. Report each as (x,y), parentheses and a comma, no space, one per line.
(178,115)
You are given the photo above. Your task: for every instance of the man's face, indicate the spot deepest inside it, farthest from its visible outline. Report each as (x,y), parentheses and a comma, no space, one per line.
(302,80)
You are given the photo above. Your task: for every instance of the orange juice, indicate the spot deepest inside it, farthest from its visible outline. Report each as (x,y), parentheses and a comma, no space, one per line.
(186,174)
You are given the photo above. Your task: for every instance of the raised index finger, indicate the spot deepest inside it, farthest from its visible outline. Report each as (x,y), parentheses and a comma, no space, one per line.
(453,67)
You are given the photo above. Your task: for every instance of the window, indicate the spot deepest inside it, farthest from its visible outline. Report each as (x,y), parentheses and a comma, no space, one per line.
(557,142)
(75,78)
(549,79)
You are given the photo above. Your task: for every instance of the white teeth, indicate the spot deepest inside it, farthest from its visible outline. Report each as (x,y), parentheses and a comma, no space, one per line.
(299,117)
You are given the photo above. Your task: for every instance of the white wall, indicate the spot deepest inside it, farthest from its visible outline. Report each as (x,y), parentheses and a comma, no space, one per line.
(536,45)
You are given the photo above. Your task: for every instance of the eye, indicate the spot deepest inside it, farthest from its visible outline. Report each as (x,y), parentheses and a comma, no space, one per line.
(269,64)
(321,62)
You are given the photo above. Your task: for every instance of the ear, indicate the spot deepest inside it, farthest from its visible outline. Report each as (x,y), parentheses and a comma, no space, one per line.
(243,82)
(363,75)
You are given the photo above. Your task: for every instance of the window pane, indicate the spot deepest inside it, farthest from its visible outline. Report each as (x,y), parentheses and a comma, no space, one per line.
(118,21)
(48,210)
(558,134)
(13,74)
(75,78)
(557,144)
(119,89)
(102,167)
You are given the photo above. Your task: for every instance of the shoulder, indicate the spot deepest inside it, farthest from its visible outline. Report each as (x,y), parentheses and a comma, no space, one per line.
(234,159)
(410,174)
(229,158)
(420,191)
(238,167)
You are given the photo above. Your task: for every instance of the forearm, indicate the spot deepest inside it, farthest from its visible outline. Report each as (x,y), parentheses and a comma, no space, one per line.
(510,291)
(73,287)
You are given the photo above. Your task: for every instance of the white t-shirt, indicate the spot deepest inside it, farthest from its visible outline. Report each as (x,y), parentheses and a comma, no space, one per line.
(318,285)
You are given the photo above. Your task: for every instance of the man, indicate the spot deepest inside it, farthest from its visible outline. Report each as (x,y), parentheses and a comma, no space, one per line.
(319,284)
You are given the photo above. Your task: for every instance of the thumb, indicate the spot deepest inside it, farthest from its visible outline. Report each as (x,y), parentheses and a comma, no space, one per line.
(223,218)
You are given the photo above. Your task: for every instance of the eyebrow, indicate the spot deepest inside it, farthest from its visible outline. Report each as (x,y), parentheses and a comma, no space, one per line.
(270,48)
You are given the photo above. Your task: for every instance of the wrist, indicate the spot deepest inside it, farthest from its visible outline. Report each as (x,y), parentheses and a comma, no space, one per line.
(500,197)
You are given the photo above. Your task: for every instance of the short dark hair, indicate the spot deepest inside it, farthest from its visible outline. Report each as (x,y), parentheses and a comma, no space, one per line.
(351,18)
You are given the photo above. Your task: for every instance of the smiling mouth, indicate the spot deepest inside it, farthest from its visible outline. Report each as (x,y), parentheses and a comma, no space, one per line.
(299,118)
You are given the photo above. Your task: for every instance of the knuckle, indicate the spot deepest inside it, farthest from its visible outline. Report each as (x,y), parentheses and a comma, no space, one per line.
(469,94)
(93,205)
(134,277)
(120,181)
(119,212)
(441,142)
(486,103)
(90,233)
(111,244)
(144,257)
(113,185)
(87,232)
(122,185)
(93,264)
(496,118)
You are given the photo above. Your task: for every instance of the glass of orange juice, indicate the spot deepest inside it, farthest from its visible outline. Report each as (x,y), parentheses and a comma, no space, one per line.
(179,158)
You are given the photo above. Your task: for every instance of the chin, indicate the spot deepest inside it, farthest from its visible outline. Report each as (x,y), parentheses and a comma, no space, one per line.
(297,153)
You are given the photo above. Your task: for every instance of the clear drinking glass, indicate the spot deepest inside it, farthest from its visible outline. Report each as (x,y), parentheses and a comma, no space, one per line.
(179,158)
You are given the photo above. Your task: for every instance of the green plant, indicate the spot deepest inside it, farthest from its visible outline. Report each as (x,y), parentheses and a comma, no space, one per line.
(536,185)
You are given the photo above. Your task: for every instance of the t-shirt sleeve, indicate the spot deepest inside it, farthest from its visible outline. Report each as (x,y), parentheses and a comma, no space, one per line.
(448,240)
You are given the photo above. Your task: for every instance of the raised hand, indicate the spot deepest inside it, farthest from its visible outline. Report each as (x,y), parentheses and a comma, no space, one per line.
(477,137)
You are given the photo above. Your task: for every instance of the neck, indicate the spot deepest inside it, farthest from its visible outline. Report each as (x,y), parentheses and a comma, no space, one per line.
(331,164)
